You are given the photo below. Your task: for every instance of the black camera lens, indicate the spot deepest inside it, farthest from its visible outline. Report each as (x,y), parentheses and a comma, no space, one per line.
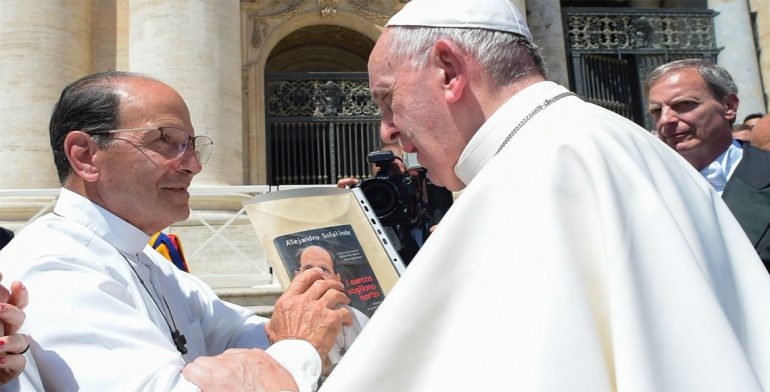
(382,196)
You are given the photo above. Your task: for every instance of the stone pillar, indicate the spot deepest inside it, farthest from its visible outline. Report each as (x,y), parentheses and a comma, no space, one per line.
(739,56)
(44,46)
(194,46)
(545,22)
(109,35)
(763,34)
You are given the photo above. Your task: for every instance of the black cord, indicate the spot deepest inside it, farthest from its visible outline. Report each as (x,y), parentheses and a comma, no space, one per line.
(179,340)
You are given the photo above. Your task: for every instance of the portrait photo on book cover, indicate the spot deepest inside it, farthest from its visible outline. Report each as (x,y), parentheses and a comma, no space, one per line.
(338,253)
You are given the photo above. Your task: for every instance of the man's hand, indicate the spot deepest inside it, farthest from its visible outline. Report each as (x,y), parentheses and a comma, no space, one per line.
(310,310)
(760,134)
(239,370)
(347,182)
(12,316)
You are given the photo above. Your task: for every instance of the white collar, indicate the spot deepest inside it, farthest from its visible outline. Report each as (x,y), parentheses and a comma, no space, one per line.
(718,172)
(122,235)
(485,142)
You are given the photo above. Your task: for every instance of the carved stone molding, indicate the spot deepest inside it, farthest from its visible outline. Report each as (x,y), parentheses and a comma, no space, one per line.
(279,8)
(259,29)
(328,7)
(372,9)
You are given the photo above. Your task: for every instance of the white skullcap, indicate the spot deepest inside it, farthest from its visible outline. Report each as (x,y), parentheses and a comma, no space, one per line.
(498,15)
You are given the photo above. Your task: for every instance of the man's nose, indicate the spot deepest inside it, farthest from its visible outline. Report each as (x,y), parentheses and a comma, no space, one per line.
(667,116)
(190,162)
(388,132)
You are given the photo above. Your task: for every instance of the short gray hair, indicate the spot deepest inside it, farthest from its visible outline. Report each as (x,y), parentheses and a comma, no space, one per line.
(717,78)
(506,56)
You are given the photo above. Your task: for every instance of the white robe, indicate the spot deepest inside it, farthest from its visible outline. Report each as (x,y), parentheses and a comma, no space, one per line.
(586,256)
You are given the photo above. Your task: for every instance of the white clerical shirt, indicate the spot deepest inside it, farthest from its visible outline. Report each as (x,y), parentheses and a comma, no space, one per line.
(585,256)
(94,325)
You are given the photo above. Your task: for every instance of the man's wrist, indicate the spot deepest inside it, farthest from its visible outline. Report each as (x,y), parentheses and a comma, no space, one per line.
(301,359)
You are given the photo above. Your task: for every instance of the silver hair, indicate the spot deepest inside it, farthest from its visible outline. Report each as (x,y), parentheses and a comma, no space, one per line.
(717,78)
(507,57)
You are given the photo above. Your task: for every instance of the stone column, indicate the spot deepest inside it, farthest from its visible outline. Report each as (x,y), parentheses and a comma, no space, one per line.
(194,46)
(739,56)
(44,46)
(545,22)
(763,33)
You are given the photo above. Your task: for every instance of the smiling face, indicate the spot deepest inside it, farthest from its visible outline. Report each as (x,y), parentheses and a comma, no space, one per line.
(135,182)
(415,114)
(689,118)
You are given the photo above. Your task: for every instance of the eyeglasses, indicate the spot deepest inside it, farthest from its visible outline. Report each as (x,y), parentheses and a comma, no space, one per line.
(172,142)
(325,270)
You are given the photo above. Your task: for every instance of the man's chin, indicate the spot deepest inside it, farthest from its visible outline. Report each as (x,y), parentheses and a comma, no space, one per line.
(454,185)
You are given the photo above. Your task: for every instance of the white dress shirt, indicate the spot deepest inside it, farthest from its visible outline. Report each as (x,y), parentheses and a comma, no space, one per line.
(97,327)
(718,172)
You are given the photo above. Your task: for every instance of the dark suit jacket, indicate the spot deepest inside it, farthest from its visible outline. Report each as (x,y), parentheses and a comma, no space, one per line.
(748,196)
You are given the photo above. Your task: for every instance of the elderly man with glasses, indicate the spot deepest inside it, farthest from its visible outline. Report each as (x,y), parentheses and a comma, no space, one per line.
(109,312)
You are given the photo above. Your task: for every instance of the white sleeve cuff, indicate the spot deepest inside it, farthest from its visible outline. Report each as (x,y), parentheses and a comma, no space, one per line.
(301,359)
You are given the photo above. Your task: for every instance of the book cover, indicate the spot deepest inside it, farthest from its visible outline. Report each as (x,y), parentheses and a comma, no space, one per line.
(333,229)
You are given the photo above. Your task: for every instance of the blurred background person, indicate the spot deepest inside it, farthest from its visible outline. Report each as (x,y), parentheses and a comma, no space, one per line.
(752,119)
(420,205)
(742,133)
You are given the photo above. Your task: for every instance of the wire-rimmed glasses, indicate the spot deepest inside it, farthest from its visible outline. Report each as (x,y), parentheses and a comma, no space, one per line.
(172,142)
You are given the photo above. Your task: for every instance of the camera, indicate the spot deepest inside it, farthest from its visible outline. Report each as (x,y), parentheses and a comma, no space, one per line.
(393,194)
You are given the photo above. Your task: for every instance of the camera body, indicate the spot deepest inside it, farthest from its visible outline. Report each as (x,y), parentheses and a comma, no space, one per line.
(394,196)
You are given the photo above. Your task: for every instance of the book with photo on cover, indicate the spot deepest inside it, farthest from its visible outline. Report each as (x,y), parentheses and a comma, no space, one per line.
(332,229)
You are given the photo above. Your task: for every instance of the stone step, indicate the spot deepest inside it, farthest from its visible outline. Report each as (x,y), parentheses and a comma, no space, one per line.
(259,298)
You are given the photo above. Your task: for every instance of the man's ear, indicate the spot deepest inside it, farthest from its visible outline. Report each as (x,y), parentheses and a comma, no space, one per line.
(731,107)
(449,60)
(80,149)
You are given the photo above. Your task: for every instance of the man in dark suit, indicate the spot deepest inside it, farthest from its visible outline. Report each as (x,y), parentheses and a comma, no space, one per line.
(748,191)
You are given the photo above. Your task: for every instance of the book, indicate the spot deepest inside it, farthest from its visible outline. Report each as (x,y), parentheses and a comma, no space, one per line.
(331,228)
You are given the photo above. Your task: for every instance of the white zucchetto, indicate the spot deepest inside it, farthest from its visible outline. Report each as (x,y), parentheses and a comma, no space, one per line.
(499,15)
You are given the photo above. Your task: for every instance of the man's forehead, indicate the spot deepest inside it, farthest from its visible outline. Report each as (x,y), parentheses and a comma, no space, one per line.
(151,100)
(678,77)
(382,59)
(315,253)
(679,83)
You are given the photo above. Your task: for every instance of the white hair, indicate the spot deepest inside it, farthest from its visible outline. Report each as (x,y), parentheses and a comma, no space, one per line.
(506,57)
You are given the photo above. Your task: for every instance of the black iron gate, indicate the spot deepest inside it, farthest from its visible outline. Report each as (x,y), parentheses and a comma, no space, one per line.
(612,51)
(320,127)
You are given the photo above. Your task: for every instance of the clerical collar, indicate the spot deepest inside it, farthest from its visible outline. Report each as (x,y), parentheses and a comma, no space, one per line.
(485,142)
(114,230)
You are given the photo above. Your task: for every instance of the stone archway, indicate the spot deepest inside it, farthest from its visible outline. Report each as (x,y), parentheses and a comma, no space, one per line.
(320,119)
(320,48)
